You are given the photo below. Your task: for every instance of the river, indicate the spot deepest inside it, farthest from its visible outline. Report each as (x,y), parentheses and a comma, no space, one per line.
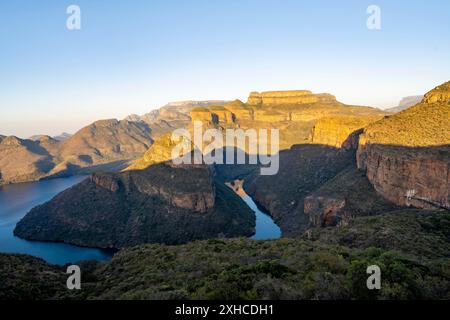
(18,199)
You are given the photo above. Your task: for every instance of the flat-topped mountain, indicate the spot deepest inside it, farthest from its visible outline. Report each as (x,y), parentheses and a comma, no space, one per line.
(294,113)
(111,143)
(288,97)
(407,156)
(405,103)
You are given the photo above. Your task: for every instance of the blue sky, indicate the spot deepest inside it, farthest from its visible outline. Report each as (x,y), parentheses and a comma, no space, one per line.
(133,56)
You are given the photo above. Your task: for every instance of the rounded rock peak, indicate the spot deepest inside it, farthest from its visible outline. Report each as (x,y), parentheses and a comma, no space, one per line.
(12,141)
(439,94)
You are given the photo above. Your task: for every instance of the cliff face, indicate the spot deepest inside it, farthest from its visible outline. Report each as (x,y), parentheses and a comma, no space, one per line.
(407,156)
(418,177)
(160,204)
(335,131)
(293,113)
(347,196)
(303,169)
(288,97)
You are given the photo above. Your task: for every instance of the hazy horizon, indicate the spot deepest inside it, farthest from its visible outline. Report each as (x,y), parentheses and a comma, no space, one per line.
(55,132)
(131,59)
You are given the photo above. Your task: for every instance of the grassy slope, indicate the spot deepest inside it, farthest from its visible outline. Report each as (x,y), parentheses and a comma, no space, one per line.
(419,126)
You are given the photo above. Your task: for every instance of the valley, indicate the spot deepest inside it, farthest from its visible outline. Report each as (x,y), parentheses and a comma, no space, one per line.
(355,186)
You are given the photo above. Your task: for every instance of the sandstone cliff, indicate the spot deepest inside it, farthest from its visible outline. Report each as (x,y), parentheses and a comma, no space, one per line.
(336,131)
(294,113)
(288,97)
(407,156)
(341,199)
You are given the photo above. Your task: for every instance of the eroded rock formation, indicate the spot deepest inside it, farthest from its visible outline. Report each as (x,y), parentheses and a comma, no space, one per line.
(407,156)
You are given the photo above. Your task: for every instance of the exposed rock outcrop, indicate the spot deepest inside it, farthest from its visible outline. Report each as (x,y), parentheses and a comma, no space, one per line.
(335,131)
(288,97)
(303,170)
(418,177)
(407,156)
(346,196)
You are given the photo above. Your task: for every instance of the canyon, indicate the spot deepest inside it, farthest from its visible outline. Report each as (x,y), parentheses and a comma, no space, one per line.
(355,185)
(339,165)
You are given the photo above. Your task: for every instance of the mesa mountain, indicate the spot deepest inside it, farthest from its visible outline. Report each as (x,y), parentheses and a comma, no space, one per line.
(405,103)
(113,144)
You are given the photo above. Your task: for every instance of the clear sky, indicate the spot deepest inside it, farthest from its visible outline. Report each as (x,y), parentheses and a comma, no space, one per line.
(131,56)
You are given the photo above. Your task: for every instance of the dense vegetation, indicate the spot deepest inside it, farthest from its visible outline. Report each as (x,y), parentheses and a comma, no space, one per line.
(410,247)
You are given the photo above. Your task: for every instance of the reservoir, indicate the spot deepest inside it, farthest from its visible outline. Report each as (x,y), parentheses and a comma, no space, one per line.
(16,200)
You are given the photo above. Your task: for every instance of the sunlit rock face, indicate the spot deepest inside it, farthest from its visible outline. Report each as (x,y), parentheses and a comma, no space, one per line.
(407,156)
(439,94)
(337,131)
(288,97)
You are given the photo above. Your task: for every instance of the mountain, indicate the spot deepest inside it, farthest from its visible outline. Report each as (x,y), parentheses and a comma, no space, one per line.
(25,160)
(293,113)
(160,204)
(407,156)
(405,103)
(108,143)
(63,136)
(111,144)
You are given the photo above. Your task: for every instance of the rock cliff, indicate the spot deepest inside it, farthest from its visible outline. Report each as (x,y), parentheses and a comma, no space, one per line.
(288,97)
(407,156)
(335,131)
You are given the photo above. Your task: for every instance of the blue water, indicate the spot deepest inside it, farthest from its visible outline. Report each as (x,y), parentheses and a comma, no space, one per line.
(16,200)
(266,228)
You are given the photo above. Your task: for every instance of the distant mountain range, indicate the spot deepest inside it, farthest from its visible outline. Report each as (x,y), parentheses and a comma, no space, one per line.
(405,103)
(63,136)
(111,144)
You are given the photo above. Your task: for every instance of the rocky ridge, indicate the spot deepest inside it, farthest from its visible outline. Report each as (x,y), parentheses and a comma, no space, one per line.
(407,156)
